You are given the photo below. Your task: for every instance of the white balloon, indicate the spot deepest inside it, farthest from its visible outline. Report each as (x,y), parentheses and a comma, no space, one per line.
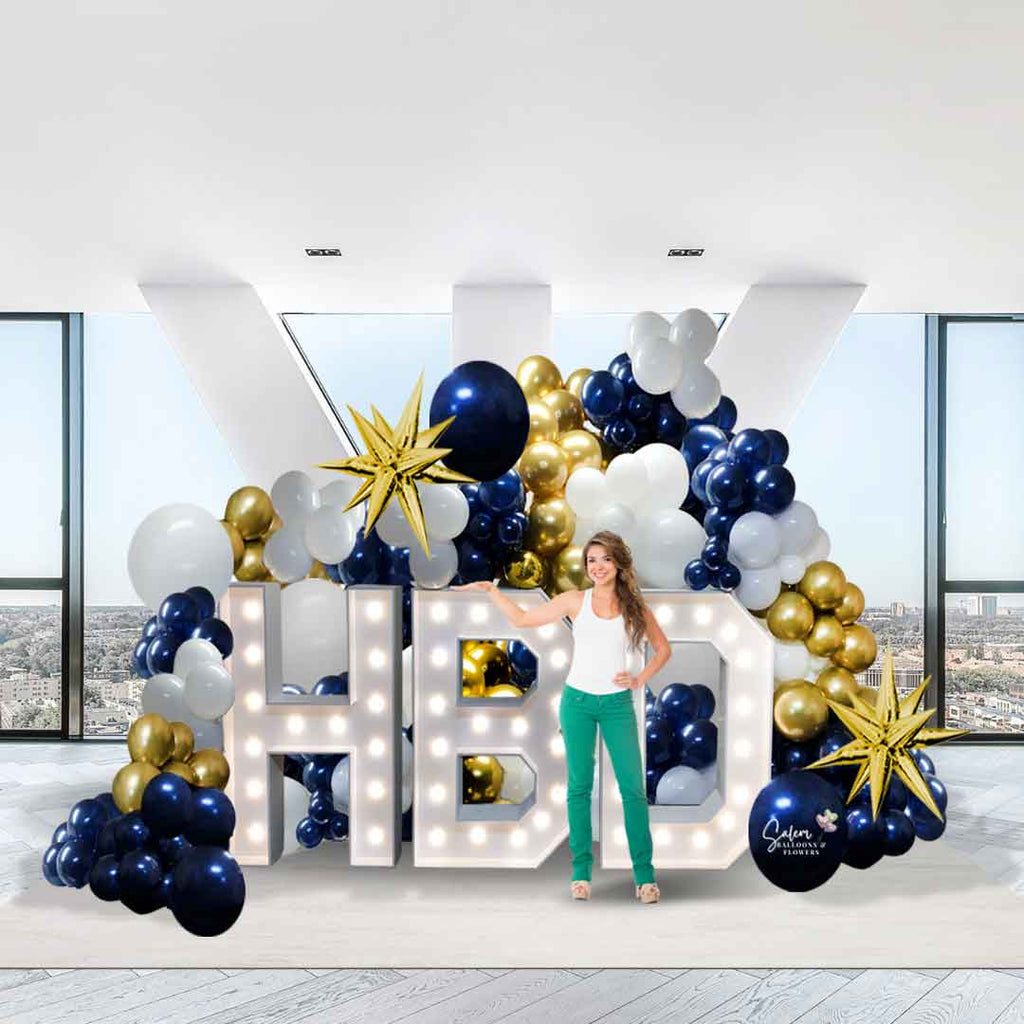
(665,541)
(314,629)
(668,478)
(695,333)
(176,547)
(518,780)
(586,492)
(445,509)
(407,766)
(626,480)
(164,694)
(393,528)
(791,568)
(192,653)
(697,392)
(758,587)
(585,529)
(329,534)
(285,553)
(645,325)
(791,660)
(435,570)
(208,735)
(797,525)
(819,547)
(294,496)
(209,691)
(816,664)
(339,785)
(754,541)
(657,365)
(617,518)
(296,807)
(340,492)
(685,785)
(407,697)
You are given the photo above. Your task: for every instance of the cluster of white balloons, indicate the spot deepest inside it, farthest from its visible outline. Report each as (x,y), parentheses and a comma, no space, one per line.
(638,497)
(772,550)
(314,631)
(340,779)
(671,358)
(316,525)
(199,692)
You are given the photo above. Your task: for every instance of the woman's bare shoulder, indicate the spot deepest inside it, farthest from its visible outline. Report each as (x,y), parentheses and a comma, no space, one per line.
(573,600)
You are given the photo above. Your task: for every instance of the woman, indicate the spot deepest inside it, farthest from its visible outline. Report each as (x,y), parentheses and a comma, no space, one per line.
(608,619)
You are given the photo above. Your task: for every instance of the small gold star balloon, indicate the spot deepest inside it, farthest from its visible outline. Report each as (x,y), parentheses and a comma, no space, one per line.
(396,458)
(884,736)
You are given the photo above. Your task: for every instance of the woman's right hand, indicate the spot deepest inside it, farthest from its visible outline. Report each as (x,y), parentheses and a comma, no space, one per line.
(484,585)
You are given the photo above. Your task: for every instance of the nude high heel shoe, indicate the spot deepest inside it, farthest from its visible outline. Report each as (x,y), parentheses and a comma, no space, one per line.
(648,892)
(580,890)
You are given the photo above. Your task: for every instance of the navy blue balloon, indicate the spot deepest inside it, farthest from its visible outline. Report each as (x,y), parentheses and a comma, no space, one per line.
(929,829)
(619,432)
(309,833)
(206,605)
(208,891)
(74,862)
(103,880)
(481,527)
(317,773)
(332,686)
(106,842)
(729,577)
(621,368)
(794,840)
(653,777)
(167,889)
(832,740)
(472,494)
(511,529)
(492,420)
(140,880)
(132,833)
(796,755)
(669,424)
(697,575)
(406,616)
(395,570)
(407,826)
(726,413)
(172,848)
(333,574)
(726,485)
(50,866)
(292,766)
(523,662)
(772,489)
(602,395)
(705,700)
(140,660)
(167,805)
(715,553)
(751,449)
(697,743)
(659,740)
(161,652)
(698,442)
(640,407)
(699,479)
(106,801)
(778,447)
(504,493)
(474,563)
(720,452)
(337,827)
(898,833)
(179,614)
(152,627)
(363,565)
(924,762)
(60,834)
(218,633)
(917,810)
(865,845)
(895,795)
(321,806)
(213,819)
(678,703)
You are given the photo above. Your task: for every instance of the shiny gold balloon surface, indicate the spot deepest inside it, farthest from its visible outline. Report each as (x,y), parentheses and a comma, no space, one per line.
(503,690)
(543,425)
(800,712)
(868,694)
(574,382)
(150,739)
(318,571)
(826,636)
(581,448)
(838,685)
(567,408)
(537,375)
(237,543)
(252,568)
(851,607)
(491,661)
(185,770)
(859,648)
(251,511)
(790,616)
(568,570)
(130,783)
(275,524)
(552,524)
(184,741)
(482,777)
(524,570)
(211,768)
(544,468)
(787,684)
(824,585)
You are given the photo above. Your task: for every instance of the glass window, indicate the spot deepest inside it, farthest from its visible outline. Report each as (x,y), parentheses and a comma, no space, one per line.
(30,659)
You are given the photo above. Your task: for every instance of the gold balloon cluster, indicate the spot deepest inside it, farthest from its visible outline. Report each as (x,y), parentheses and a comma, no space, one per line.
(482,778)
(156,745)
(557,444)
(486,671)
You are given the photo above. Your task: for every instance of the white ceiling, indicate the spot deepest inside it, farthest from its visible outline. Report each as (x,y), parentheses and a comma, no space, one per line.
(477,141)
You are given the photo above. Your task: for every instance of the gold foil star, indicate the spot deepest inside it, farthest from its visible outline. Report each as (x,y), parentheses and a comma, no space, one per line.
(395,459)
(883,738)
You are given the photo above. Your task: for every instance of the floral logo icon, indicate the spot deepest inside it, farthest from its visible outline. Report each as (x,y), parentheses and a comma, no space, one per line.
(827,820)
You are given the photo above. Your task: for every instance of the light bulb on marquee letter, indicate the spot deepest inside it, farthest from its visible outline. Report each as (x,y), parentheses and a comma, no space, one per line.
(365,725)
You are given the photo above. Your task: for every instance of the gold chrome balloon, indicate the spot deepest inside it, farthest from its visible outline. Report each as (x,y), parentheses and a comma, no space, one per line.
(859,648)
(581,448)
(150,739)
(790,616)
(851,607)
(800,712)
(787,684)
(211,768)
(524,570)
(543,425)
(503,690)
(552,524)
(472,675)
(252,568)
(568,570)
(823,584)
(492,661)
(838,685)
(544,468)
(482,777)
(275,524)
(251,511)
(318,571)
(868,694)
(237,543)
(826,636)
(184,741)
(567,408)
(574,382)
(186,771)
(537,375)
(130,783)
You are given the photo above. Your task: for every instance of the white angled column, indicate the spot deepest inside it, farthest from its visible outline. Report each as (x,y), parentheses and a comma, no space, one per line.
(500,323)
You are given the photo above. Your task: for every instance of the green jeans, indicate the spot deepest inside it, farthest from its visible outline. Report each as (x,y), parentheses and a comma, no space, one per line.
(579,715)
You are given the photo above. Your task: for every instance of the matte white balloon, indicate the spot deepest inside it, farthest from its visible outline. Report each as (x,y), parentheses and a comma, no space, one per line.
(819,548)
(657,365)
(685,785)
(791,660)
(665,541)
(164,694)
(797,525)
(695,333)
(585,529)
(445,510)
(340,492)
(668,478)
(208,735)
(697,391)
(295,496)
(518,780)
(314,629)
(209,691)
(192,653)
(586,491)
(340,784)
(296,807)
(645,325)
(435,570)
(758,587)
(393,528)
(407,695)
(617,518)
(285,553)
(330,534)
(407,778)
(754,541)
(176,547)
(791,568)
(626,480)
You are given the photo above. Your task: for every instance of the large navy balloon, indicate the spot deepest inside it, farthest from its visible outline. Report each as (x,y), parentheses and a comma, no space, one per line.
(659,741)
(726,485)
(213,819)
(523,662)
(131,833)
(772,489)
(492,420)
(140,659)
(697,575)
(678,703)
(697,743)
(751,448)
(139,879)
(208,891)
(504,493)
(167,805)
(898,833)
(669,424)
(779,447)
(161,651)
(86,819)
(915,808)
(797,831)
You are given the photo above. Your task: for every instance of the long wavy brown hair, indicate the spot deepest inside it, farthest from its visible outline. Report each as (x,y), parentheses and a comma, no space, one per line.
(627,589)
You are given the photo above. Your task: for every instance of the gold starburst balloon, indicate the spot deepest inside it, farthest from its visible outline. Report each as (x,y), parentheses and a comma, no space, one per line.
(396,458)
(884,736)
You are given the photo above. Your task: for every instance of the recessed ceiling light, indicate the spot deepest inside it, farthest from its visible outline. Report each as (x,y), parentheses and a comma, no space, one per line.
(323,252)
(686,252)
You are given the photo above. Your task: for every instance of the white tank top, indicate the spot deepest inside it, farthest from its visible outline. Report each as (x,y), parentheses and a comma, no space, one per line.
(599,651)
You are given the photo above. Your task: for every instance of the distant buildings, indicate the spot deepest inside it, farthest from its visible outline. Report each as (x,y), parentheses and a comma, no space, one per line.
(897,609)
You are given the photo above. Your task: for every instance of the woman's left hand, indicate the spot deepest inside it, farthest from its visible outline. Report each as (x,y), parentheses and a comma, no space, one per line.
(626,680)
